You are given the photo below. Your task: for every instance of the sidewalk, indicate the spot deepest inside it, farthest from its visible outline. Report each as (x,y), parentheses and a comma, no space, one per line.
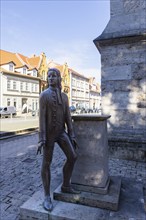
(20,175)
(17,126)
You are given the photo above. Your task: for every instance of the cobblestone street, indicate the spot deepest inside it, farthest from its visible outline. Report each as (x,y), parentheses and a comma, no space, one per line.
(20,173)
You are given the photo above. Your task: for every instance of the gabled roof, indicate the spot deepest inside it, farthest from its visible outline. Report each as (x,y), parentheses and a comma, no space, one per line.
(34,61)
(33,68)
(8,63)
(22,66)
(7,57)
(19,59)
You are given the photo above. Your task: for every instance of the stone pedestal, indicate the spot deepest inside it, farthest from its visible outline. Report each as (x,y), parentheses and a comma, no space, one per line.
(91,168)
(90,174)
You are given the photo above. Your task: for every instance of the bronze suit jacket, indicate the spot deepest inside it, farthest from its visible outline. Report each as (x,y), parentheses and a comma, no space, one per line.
(54,118)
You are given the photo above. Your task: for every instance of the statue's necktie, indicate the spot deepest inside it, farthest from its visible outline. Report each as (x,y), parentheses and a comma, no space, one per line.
(58,96)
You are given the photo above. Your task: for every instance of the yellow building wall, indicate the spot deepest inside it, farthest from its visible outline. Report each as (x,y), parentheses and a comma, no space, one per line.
(42,71)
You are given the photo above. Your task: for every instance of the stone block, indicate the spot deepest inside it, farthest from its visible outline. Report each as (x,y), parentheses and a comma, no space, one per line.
(107,201)
(33,209)
(116,73)
(92,189)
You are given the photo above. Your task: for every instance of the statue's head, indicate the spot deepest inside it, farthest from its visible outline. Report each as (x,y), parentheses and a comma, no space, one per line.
(54,77)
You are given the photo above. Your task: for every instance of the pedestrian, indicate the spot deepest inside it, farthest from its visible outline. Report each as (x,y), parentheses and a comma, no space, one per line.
(55,125)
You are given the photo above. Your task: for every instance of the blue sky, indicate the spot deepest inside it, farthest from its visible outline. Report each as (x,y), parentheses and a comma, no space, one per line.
(63,30)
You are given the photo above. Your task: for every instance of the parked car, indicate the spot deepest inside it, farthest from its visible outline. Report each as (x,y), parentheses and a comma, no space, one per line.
(95,110)
(81,110)
(89,110)
(7,111)
(72,109)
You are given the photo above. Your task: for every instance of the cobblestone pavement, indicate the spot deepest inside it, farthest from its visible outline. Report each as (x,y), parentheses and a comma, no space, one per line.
(20,173)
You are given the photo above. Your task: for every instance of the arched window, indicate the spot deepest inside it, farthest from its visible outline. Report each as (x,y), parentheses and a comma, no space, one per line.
(43,75)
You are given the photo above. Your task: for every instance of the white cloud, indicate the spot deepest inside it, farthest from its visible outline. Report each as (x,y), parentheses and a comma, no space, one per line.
(79,55)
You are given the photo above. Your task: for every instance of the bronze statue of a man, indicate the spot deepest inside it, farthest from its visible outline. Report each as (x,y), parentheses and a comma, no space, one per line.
(54,118)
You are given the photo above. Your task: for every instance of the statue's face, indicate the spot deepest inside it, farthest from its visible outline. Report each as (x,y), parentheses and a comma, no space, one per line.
(52,78)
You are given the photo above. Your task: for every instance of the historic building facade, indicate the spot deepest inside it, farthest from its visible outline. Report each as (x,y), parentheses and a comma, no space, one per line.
(79,92)
(94,94)
(23,78)
(19,90)
(19,81)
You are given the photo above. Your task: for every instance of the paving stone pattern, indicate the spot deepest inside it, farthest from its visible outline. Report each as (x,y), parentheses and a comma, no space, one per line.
(20,175)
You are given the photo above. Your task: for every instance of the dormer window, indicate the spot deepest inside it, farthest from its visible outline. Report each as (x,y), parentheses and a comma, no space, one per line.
(24,70)
(34,73)
(11,67)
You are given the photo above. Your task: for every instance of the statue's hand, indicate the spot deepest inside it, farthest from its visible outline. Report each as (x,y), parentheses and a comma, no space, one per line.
(74,143)
(40,146)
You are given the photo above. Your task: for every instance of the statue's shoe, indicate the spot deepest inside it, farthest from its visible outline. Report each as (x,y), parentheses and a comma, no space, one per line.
(48,203)
(69,189)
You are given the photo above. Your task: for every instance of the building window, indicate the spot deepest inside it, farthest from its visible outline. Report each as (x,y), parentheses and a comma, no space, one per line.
(21,86)
(8,84)
(26,86)
(8,102)
(74,82)
(34,73)
(24,70)
(36,104)
(78,84)
(14,85)
(36,87)
(11,66)
(32,87)
(87,94)
(73,93)
(43,75)
(33,105)
(87,86)
(15,103)
(82,86)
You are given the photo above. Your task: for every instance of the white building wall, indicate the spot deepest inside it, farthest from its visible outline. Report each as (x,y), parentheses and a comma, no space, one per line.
(80,91)
(17,95)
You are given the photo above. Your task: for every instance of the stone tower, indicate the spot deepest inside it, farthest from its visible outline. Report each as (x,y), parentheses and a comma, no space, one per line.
(122,46)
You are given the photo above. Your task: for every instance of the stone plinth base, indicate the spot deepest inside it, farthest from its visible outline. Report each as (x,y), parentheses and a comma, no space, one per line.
(92,189)
(109,201)
(131,207)
(33,210)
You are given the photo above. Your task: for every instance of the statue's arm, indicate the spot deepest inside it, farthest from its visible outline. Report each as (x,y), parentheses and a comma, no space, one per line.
(68,120)
(70,126)
(42,120)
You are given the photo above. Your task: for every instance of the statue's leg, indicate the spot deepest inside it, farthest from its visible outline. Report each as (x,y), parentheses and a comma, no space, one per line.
(68,149)
(46,175)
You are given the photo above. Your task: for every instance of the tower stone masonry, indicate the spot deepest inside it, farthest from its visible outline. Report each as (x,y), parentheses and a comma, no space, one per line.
(122,46)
